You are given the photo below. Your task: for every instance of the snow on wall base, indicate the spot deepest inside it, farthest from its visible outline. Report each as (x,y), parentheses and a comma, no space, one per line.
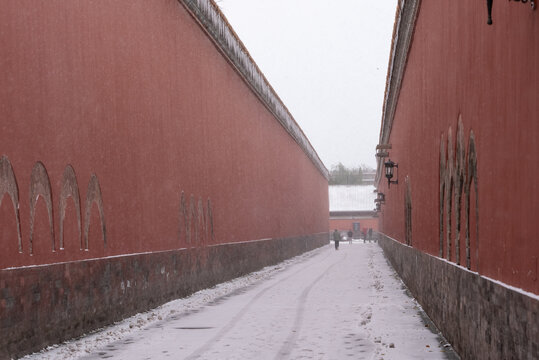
(480,318)
(49,304)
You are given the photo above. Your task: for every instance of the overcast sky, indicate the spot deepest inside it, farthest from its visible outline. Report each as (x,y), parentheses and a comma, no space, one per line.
(327,61)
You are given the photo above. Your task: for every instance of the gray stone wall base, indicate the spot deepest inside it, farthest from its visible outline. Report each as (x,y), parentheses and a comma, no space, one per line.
(44,305)
(479,317)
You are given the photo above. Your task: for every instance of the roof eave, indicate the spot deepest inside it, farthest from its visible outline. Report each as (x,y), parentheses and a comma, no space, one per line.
(403,30)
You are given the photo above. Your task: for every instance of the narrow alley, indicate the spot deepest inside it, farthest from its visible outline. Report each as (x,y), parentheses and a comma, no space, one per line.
(325,304)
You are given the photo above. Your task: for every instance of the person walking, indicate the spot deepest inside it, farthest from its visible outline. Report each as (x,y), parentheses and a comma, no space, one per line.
(350,234)
(336,239)
(364,233)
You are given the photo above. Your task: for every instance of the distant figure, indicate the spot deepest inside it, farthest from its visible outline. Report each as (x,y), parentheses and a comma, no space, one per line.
(364,233)
(336,239)
(370,234)
(350,234)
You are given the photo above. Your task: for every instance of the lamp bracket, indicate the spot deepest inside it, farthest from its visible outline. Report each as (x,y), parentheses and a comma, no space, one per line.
(489,8)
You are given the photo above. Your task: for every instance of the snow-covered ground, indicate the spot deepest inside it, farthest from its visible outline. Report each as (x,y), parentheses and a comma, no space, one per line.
(325,304)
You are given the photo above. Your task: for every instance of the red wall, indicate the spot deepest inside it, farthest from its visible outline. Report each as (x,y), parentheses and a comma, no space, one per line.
(488,75)
(137,93)
(347,224)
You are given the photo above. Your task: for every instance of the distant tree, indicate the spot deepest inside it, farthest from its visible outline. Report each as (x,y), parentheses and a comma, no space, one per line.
(341,175)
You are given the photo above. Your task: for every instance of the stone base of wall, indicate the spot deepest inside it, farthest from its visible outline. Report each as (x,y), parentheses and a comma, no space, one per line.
(479,317)
(49,304)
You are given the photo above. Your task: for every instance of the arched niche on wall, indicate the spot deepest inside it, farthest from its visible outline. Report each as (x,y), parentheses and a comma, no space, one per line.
(93,195)
(40,186)
(8,185)
(70,188)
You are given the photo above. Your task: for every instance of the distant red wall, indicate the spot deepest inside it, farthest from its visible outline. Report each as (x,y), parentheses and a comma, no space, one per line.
(347,224)
(137,93)
(488,75)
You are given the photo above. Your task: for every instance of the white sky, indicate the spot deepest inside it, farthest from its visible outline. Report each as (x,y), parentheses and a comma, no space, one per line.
(327,61)
(324,304)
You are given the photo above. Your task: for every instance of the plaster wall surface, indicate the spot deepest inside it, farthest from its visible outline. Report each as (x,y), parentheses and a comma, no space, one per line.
(458,67)
(137,93)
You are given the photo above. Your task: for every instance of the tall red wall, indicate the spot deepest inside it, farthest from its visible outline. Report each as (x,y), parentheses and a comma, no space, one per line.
(138,94)
(488,75)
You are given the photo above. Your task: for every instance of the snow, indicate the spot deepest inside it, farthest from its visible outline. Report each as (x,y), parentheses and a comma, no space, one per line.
(498,282)
(352,197)
(513,288)
(324,304)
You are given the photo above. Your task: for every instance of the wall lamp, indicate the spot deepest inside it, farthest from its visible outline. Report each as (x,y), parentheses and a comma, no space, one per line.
(489,8)
(378,207)
(380,198)
(390,166)
(381,150)
(532,2)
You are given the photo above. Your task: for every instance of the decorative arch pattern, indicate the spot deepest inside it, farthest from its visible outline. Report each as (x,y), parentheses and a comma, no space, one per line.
(40,185)
(458,181)
(193,218)
(448,192)
(197,222)
(209,221)
(457,171)
(201,223)
(70,188)
(442,193)
(408,212)
(186,220)
(472,177)
(94,195)
(8,184)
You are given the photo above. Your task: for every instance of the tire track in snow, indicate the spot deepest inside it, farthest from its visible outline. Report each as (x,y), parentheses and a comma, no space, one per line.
(289,343)
(230,325)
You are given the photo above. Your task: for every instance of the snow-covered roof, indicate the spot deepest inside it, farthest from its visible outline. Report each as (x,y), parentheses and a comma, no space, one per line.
(351,197)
